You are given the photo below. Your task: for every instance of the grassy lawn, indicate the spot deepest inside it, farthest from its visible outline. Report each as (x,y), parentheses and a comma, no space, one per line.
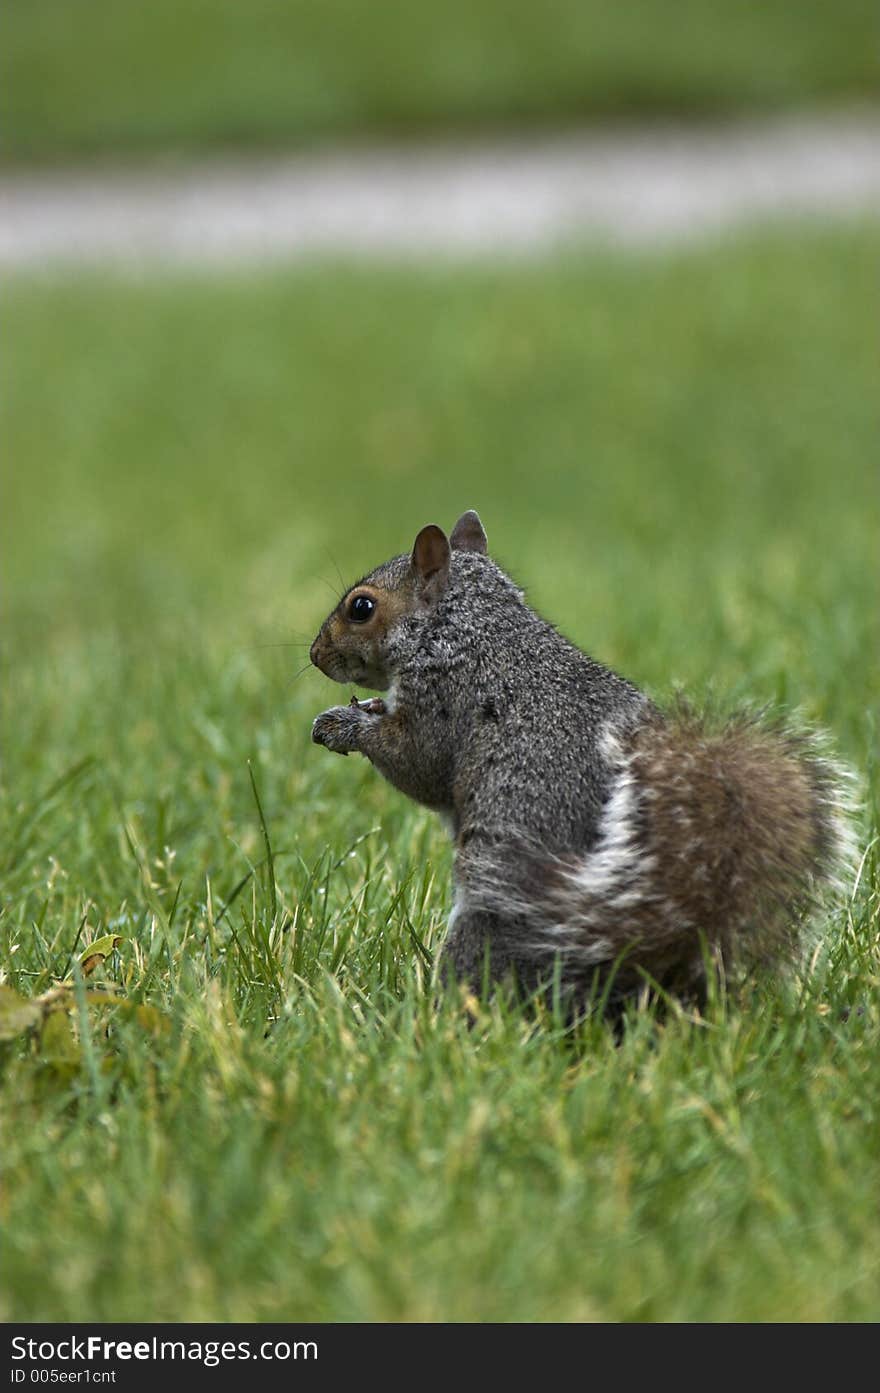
(677,456)
(101,77)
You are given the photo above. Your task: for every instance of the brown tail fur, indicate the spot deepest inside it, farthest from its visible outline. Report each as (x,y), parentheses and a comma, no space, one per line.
(746,824)
(717,838)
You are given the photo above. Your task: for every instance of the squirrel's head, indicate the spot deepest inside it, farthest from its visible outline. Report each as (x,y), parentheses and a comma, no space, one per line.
(358,642)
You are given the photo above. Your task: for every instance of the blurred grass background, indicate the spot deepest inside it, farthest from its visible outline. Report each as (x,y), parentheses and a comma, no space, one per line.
(676,456)
(214,446)
(118,79)
(674,453)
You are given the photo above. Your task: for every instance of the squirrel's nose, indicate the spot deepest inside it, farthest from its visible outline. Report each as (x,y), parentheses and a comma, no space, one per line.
(313,653)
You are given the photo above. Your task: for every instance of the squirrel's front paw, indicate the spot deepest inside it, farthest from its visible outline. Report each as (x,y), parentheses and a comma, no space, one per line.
(338,728)
(374,706)
(341,727)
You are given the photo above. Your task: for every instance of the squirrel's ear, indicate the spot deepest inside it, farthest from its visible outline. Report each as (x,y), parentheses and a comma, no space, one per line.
(468,534)
(430,558)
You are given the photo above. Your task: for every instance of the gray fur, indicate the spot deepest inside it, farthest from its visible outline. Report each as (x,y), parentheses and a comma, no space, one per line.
(589,828)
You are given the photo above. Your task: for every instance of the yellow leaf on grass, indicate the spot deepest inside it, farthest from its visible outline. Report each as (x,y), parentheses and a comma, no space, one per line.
(96,952)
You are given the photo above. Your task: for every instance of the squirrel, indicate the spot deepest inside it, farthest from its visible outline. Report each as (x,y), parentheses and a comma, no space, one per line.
(599,841)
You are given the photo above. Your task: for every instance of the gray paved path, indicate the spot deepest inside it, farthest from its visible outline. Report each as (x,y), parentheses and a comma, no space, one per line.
(503,197)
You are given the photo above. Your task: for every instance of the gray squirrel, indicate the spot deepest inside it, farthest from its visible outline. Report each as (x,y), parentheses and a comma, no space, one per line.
(597,838)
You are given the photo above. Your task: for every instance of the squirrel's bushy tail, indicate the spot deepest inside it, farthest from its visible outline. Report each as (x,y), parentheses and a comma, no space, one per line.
(714,838)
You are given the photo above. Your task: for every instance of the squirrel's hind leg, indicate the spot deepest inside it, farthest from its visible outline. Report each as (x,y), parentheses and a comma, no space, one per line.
(475,952)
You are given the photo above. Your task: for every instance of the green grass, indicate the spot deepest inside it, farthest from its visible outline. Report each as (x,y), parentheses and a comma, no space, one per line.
(108,78)
(678,457)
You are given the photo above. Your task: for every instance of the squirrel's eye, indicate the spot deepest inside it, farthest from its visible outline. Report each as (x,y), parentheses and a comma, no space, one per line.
(361,609)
